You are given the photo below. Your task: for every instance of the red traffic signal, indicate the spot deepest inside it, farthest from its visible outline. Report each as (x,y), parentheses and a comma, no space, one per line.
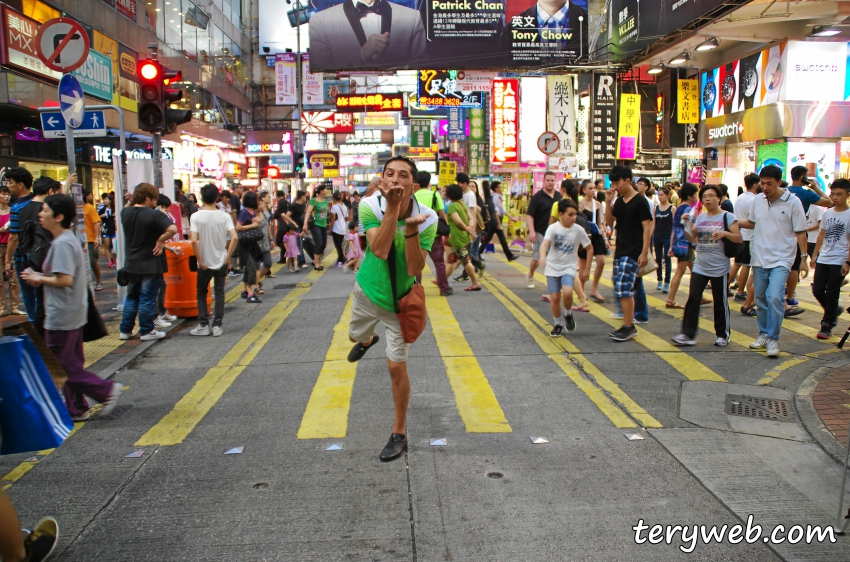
(273,172)
(149,70)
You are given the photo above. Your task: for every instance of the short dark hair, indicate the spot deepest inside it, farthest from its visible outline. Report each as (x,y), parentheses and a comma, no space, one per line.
(645,181)
(548,173)
(665,190)
(618,173)
(178,184)
(454,192)
(798,173)
(725,189)
(711,187)
(352,225)
(771,172)
(337,196)
(751,180)
(414,171)
(841,184)
(423,178)
(163,201)
(279,193)
(249,200)
(462,178)
(318,188)
(143,192)
(299,194)
(62,205)
(565,204)
(20,175)
(43,185)
(495,185)
(687,191)
(209,193)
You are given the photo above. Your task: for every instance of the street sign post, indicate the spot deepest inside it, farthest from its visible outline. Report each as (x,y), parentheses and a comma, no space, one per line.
(93,125)
(72,104)
(62,44)
(318,169)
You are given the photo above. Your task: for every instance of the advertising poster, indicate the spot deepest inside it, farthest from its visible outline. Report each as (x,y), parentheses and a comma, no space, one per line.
(19,37)
(313,91)
(562,112)
(818,158)
(95,76)
(126,8)
(441,88)
(420,133)
(448,34)
(327,122)
(128,79)
(284,66)
(603,127)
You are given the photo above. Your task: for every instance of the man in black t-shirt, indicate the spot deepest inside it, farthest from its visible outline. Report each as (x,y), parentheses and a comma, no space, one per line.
(537,220)
(145,233)
(634,229)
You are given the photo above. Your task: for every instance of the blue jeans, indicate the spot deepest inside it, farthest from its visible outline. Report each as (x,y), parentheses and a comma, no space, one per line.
(475,245)
(641,307)
(141,299)
(661,257)
(770,299)
(29,294)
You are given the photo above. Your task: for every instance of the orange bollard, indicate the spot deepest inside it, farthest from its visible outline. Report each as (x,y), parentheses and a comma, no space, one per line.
(181,283)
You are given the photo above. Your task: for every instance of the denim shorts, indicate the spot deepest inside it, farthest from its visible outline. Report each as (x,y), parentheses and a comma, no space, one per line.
(554,284)
(625,274)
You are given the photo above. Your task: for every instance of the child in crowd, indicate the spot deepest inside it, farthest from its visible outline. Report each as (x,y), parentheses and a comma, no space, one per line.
(355,252)
(290,243)
(831,255)
(559,258)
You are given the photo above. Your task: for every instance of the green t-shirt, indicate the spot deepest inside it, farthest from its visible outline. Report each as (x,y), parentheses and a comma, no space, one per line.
(374,274)
(458,237)
(426,198)
(320,212)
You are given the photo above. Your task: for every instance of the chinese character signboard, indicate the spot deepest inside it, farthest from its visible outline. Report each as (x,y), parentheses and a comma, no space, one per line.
(603,122)
(284,67)
(457,124)
(19,38)
(479,162)
(688,107)
(448,171)
(504,122)
(420,133)
(440,88)
(629,126)
(371,102)
(126,8)
(329,160)
(477,125)
(562,112)
(327,122)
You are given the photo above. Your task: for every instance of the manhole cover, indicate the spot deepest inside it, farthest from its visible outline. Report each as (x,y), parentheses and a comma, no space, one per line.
(301,285)
(759,408)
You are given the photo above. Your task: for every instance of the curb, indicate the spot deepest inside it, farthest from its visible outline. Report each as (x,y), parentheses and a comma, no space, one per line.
(809,417)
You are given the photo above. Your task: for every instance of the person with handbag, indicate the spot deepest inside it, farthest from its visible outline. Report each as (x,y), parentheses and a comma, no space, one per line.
(432,200)
(400,232)
(66,312)
(713,230)
(680,246)
(249,232)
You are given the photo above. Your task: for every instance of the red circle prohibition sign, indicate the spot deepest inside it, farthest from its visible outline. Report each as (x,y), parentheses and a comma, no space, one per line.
(60,42)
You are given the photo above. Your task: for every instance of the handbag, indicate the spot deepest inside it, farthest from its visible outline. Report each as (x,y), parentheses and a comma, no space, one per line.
(442,226)
(681,248)
(94,328)
(730,249)
(250,235)
(32,414)
(410,309)
(648,268)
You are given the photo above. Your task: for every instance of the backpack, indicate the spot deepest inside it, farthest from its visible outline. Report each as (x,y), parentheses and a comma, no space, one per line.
(34,242)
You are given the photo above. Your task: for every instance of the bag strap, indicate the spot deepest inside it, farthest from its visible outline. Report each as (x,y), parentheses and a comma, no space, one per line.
(391,264)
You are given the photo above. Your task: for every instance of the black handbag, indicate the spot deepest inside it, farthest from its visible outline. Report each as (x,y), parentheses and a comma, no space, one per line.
(95,328)
(250,235)
(442,226)
(730,249)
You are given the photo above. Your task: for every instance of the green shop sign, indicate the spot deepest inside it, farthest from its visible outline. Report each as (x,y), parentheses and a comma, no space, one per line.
(95,76)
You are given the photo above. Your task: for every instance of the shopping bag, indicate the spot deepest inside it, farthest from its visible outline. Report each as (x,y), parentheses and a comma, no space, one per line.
(32,414)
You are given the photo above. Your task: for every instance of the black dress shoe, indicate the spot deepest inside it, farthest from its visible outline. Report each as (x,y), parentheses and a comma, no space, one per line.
(359,350)
(395,447)
(512,257)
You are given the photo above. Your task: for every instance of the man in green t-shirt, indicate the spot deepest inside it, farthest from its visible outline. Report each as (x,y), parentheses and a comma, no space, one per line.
(434,201)
(393,221)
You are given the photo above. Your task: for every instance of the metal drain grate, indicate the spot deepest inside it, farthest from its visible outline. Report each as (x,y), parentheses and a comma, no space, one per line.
(759,408)
(301,285)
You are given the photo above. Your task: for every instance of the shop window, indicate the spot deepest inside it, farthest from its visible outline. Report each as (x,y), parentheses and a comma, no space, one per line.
(173,21)
(154,19)
(218,48)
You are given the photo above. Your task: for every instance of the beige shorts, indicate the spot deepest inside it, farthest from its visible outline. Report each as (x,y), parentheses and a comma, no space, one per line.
(365,316)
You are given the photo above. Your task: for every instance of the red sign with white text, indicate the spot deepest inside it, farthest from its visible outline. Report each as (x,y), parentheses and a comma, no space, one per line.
(505,120)
(19,44)
(327,122)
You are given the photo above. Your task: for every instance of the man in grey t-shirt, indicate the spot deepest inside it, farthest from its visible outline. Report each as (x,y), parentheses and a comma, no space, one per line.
(66,309)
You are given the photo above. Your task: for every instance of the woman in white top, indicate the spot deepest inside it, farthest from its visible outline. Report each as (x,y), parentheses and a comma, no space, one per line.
(339,220)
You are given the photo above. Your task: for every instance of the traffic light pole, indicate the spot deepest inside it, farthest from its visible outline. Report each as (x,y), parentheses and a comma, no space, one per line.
(156,147)
(299,136)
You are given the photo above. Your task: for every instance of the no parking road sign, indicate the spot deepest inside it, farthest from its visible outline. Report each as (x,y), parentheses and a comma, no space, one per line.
(62,44)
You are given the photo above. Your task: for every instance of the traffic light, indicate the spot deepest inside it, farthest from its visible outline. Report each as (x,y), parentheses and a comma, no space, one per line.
(297,161)
(151,110)
(173,117)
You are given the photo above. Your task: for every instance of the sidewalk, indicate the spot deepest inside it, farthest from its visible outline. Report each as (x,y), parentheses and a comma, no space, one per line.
(831,400)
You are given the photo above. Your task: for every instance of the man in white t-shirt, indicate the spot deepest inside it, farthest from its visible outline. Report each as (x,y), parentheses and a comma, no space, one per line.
(209,232)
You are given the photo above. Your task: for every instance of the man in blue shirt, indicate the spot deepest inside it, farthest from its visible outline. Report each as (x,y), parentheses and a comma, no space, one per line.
(20,183)
(809,193)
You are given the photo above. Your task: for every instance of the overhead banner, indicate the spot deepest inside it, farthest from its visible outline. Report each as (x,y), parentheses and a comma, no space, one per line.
(688,101)
(562,113)
(327,122)
(457,34)
(420,133)
(284,67)
(603,126)
(628,130)
(504,128)
(313,89)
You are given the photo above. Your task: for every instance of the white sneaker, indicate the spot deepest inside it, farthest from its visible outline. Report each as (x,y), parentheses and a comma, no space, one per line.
(169,317)
(682,339)
(760,343)
(124,336)
(721,342)
(773,348)
(200,331)
(217,331)
(111,400)
(153,335)
(159,322)
(529,282)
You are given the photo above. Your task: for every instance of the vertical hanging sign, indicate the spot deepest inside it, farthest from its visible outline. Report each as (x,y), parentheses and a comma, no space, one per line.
(420,133)
(477,125)
(504,128)
(562,113)
(457,124)
(629,127)
(284,66)
(688,106)
(603,122)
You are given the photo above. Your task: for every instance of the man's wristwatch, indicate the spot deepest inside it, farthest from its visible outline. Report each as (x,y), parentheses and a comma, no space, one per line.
(804,255)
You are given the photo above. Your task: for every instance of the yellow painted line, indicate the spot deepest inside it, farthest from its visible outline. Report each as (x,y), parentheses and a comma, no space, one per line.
(236,292)
(674,356)
(195,404)
(326,415)
(772,374)
(16,473)
(476,402)
(554,348)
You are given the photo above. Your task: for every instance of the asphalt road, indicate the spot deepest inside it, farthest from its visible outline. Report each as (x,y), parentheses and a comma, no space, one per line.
(486,377)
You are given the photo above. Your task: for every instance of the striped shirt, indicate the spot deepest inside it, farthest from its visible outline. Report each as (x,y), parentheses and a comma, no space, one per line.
(15,219)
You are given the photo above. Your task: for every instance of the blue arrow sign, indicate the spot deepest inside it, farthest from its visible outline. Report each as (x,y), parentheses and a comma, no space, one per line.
(71,100)
(93,124)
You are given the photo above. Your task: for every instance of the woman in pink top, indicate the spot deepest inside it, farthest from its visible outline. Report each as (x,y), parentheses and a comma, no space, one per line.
(14,292)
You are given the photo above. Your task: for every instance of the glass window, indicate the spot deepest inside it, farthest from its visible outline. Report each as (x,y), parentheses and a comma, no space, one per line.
(204,55)
(218,54)
(190,34)
(173,23)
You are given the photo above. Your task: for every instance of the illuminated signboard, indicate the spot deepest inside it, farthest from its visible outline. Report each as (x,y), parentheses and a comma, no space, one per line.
(210,160)
(440,88)
(688,106)
(327,122)
(104,154)
(629,126)
(329,160)
(370,102)
(382,120)
(504,123)
(268,142)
